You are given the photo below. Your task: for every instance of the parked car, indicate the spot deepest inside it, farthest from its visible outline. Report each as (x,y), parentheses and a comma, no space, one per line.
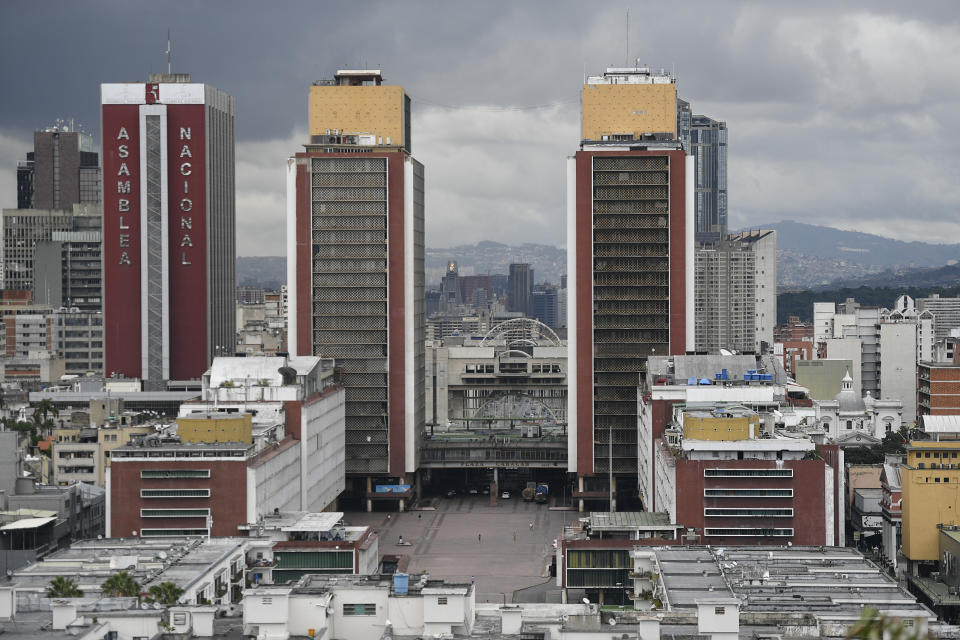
(505,495)
(452,493)
(474,491)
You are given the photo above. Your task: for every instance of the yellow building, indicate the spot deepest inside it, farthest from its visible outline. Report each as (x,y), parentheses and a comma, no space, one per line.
(931,495)
(700,425)
(356,103)
(208,428)
(625,104)
(83,454)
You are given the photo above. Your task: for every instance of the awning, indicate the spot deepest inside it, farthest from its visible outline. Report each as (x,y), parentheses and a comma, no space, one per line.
(27,523)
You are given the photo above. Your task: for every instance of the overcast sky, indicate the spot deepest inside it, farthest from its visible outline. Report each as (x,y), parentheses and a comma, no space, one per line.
(836,116)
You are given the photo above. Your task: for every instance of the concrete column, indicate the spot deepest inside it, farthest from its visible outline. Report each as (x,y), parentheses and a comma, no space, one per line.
(369,489)
(401,505)
(580,488)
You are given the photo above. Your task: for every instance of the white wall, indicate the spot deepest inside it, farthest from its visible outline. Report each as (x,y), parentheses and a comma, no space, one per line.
(898,366)
(765,279)
(848,349)
(276,484)
(323,459)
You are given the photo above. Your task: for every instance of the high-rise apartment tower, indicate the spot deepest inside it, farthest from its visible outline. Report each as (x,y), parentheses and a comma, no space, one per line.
(169,249)
(630,234)
(355,270)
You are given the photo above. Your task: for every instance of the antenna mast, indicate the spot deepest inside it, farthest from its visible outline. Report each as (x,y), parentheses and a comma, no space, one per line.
(168,51)
(626,61)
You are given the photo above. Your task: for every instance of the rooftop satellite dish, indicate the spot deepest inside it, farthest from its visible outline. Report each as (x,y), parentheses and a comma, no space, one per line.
(612,621)
(144,606)
(157,605)
(163,555)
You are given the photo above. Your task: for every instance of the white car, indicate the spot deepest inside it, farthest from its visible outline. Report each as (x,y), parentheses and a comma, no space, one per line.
(505,495)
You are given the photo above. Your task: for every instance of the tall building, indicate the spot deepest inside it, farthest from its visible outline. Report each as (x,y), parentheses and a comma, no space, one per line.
(62,170)
(520,288)
(629,264)
(451,296)
(544,306)
(355,211)
(169,227)
(725,301)
(708,145)
(763,244)
(55,254)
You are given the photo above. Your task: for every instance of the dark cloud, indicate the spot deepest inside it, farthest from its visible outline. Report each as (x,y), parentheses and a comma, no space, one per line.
(838,114)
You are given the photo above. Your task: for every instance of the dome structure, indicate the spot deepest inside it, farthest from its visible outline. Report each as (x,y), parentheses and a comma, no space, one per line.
(848,400)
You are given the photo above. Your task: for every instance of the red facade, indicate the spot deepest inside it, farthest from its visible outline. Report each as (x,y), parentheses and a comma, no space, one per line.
(121,239)
(227,502)
(583,246)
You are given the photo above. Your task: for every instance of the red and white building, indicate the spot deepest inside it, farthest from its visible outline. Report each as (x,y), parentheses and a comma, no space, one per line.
(293,459)
(169,232)
(891,529)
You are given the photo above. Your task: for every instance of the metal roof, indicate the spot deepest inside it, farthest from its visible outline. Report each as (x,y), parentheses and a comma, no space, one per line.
(624,520)
(315,522)
(28,523)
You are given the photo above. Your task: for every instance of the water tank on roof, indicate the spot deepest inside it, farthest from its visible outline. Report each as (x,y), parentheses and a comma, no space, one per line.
(401,583)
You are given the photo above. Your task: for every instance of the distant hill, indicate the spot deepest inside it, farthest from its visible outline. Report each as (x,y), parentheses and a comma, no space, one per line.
(264,272)
(860,248)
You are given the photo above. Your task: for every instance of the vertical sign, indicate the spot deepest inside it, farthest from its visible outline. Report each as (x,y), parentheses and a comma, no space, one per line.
(121,238)
(187,189)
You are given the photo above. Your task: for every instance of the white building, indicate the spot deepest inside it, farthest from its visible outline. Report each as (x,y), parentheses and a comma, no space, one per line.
(360,608)
(849,419)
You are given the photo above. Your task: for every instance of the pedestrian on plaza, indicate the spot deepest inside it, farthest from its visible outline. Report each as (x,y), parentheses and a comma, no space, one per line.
(514,535)
(531,525)
(419,516)
(478,538)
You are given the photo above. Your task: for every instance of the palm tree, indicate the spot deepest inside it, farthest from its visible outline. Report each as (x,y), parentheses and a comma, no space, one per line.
(167,593)
(43,410)
(61,587)
(121,585)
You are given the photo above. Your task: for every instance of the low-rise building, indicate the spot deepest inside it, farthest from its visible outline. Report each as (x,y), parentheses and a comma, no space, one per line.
(732,477)
(284,547)
(890,504)
(266,435)
(82,454)
(360,608)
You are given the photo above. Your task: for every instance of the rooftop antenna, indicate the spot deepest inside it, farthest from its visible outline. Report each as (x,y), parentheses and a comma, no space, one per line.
(626,61)
(168,51)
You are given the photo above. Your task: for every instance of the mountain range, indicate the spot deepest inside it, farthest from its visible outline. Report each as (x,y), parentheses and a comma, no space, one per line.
(808,257)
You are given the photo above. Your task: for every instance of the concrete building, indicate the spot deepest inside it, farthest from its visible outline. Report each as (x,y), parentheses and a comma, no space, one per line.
(593,555)
(945,310)
(898,365)
(77,336)
(82,454)
(938,389)
(847,349)
(851,420)
(266,434)
(355,221)
(544,306)
(928,481)
(726,295)
(169,238)
(62,170)
(630,234)
(891,501)
(284,547)
(520,289)
(823,378)
(712,465)
(360,608)
(55,253)
(451,296)
(209,570)
(763,243)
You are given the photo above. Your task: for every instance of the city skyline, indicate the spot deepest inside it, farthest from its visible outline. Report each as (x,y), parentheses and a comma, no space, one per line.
(814,79)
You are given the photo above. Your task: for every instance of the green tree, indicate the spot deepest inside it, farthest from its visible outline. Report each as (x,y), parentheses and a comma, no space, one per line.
(875,626)
(61,587)
(121,585)
(43,410)
(167,593)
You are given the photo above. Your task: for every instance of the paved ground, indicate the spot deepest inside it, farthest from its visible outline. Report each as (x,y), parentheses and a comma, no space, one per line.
(508,555)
